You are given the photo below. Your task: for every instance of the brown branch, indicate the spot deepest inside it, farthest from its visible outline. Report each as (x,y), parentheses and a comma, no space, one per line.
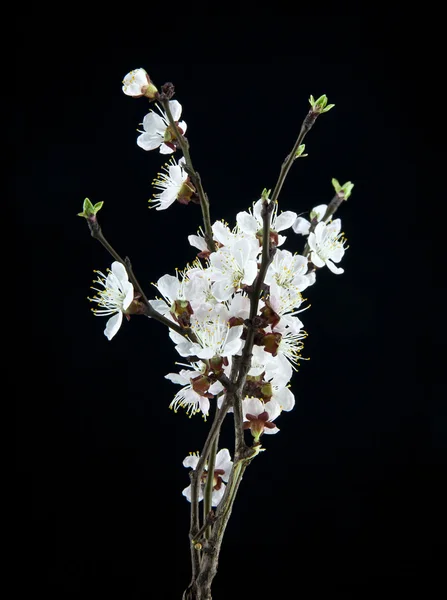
(195,177)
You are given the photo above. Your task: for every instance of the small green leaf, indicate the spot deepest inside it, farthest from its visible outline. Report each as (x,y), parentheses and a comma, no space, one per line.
(337,186)
(300,151)
(89,210)
(328,107)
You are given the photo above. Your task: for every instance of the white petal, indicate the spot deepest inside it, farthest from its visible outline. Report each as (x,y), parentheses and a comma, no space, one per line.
(112,325)
(301,226)
(271,431)
(154,124)
(215,388)
(119,270)
(165,149)
(222,290)
(273,408)
(197,242)
(257,209)
(160,306)
(224,462)
(176,109)
(221,233)
(204,405)
(285,220)
(333,268)
(250,272)
(187,493)
(320,231)
(169,285)
(252,406)
(337,254)
(335,226)
(247,223)
(191,461)
(128,291)
(177,378)
(183,126)
(317,261)
(218,495)
(149,141)
(285,399)
(234,334)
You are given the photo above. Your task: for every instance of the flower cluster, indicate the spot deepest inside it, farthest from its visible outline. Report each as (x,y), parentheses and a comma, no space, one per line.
(209,301)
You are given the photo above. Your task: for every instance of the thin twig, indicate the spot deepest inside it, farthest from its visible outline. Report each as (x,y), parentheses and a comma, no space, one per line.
(195,177)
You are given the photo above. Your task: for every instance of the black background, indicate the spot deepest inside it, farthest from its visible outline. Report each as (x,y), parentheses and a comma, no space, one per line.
(348,498)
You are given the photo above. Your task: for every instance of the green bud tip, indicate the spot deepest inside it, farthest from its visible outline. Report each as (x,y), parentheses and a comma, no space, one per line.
(300,152)
(344,190)
(320,105)
(89,210)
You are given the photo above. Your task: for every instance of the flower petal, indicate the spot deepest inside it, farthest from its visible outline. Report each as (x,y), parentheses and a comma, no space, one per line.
(177,378)
(165,149)
(112,325)
(176,109)
(333,268)
(247,223)
(168,285)
(285,220)
(285,399)
(149,141)
(301,226)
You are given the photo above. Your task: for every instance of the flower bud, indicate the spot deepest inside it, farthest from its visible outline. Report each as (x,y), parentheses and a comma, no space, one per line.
(137,83)
(181,311)
(342,191)
(89,210)
(271,343)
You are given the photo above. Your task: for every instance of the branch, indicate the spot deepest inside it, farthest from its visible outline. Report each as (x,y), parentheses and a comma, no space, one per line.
(308,122)
(195,177)
(149,311)
(208,495)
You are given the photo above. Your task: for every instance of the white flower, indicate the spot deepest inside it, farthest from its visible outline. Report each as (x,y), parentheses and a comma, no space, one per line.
(193,284)
(214,335)
(190,398)
(285,303)
(222,470)
(157,131)
(276,368)
(174,185)
(233,266)
(253,223)
(289,271)
(302,225)
(259,416)
(115,298)
(137,83)
(327,245)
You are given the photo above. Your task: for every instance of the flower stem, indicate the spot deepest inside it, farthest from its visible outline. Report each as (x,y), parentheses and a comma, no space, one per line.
(208,496)
(195,178)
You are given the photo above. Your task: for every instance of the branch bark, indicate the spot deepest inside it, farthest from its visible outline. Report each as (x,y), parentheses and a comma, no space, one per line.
(195,177)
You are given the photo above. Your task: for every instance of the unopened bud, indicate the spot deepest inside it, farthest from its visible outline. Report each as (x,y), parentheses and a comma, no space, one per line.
(137,83)
(343,191)
(89,210)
